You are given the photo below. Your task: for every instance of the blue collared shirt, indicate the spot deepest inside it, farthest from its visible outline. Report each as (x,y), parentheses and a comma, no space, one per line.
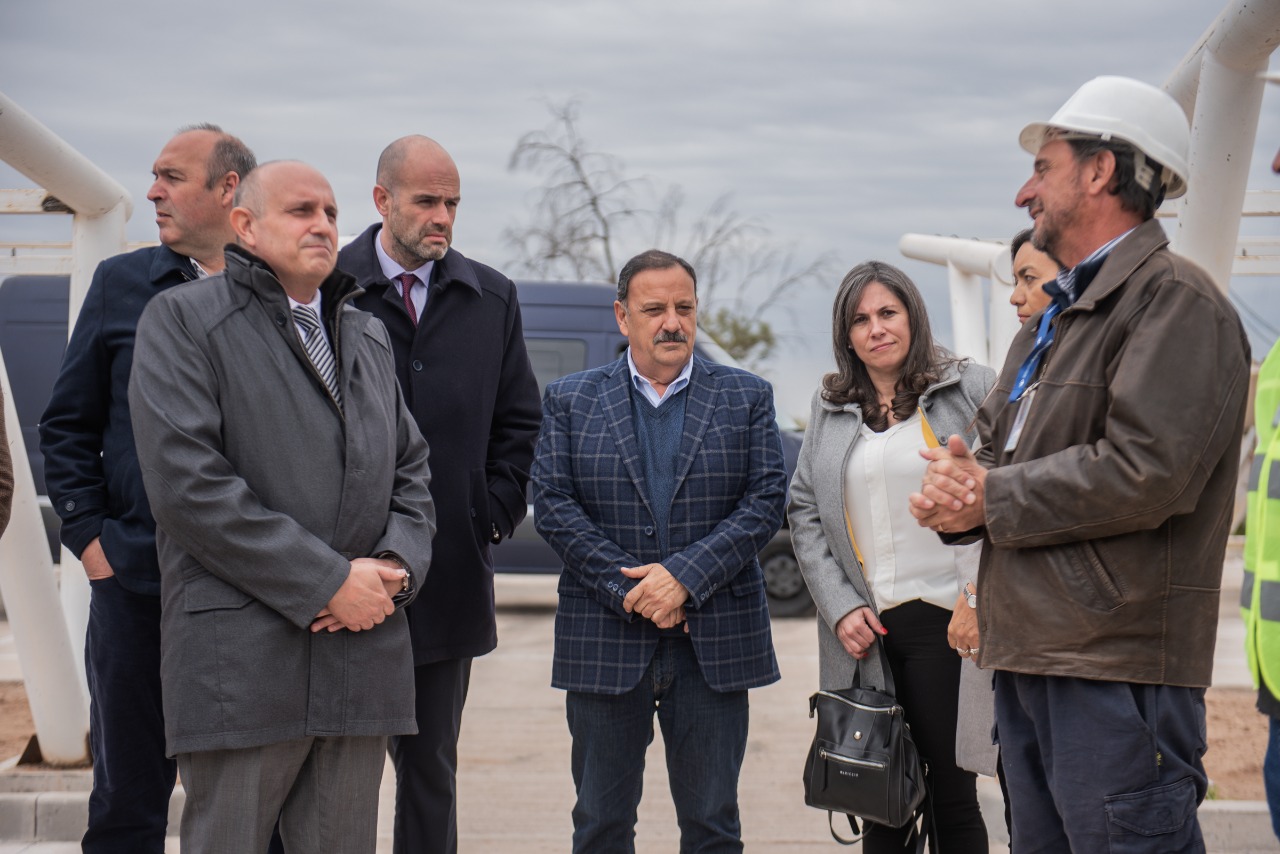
(646,387)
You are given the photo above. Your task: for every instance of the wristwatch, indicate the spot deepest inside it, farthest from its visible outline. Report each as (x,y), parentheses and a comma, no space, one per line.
(971,595)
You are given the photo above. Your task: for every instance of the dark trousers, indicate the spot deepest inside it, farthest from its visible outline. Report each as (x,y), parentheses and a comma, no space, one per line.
(926,671)
(427,763)
(705,734)
(1101,766)
(132,777)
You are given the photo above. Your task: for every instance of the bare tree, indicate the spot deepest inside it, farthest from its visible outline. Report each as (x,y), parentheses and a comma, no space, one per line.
(588,209)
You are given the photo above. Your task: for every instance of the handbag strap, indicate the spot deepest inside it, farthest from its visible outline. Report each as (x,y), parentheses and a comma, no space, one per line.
(921,832)
(889,687)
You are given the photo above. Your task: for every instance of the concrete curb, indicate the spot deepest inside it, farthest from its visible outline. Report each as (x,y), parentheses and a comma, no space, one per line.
(53,806)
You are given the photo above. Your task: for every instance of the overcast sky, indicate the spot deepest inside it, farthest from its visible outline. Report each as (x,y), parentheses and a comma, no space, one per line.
(838,124)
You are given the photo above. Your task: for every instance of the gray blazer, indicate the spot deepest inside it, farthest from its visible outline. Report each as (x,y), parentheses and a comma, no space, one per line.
(263,492)
(817,517)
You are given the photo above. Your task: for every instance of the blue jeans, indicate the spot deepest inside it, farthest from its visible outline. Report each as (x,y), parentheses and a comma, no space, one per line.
(1271,774)
(705,733)
(132,777)
(1101,766)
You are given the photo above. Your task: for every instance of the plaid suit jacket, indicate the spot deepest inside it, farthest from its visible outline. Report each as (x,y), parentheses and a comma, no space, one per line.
(592,505)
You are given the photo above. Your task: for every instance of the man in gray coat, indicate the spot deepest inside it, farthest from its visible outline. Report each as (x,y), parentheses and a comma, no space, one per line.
(290,490)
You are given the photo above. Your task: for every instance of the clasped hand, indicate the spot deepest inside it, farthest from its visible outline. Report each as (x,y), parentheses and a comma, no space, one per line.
(658,597)
(364,599)
(951,498)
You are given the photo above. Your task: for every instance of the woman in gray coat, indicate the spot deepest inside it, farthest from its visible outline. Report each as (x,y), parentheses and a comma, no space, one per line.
(873,572)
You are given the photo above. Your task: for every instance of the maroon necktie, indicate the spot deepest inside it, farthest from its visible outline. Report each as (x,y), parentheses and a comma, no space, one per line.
(406,288)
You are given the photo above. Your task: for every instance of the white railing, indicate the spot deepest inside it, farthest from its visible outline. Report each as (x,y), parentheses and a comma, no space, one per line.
(1219,86)
(48,633)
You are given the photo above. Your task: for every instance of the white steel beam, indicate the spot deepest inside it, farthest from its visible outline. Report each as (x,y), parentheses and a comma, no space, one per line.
(59,703)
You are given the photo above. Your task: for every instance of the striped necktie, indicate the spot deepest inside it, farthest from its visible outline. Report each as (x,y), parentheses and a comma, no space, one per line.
(318,349)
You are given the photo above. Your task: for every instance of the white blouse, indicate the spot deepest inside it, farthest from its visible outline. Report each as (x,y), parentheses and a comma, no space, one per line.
(901,560)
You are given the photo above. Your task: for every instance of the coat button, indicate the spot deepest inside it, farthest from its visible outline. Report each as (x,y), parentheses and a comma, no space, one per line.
(69,506)
(280,321)
(648,531)
(417,365)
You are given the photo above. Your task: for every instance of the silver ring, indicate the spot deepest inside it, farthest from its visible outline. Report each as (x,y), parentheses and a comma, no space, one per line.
(972,650)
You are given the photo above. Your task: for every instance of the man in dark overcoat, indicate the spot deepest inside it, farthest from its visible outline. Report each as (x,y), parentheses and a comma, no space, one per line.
(460,356)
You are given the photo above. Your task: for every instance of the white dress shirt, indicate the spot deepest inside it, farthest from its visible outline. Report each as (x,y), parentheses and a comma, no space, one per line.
(901,560)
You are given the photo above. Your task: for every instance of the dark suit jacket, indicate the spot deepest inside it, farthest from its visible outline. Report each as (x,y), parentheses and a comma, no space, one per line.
(592,505)
(467,381)
(90,465)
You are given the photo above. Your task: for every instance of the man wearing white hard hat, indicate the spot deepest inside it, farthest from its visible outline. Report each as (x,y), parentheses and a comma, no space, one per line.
(1103,490)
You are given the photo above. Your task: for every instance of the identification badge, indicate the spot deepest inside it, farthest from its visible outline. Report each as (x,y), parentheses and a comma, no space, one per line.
(1024,406)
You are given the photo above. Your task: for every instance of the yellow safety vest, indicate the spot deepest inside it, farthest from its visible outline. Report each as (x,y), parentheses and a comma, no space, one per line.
(1260,592)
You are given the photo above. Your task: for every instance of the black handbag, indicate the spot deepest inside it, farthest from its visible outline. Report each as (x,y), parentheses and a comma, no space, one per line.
(863,762)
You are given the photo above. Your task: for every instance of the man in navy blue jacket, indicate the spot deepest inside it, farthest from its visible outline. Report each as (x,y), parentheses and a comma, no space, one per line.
(460,357)
(92,475)
(658,479)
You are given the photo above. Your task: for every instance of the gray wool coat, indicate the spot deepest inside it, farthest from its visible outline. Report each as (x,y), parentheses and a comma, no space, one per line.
(817,518)
(263,492)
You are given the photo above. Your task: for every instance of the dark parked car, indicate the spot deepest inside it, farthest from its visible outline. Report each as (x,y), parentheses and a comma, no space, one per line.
(568,327)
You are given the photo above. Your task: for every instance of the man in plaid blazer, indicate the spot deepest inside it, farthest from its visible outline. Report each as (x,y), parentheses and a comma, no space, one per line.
(658,480)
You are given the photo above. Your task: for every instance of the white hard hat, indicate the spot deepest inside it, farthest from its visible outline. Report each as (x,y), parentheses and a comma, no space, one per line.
(1145,117)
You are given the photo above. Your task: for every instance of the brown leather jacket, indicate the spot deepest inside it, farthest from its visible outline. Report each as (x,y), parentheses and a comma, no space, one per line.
(1106,526)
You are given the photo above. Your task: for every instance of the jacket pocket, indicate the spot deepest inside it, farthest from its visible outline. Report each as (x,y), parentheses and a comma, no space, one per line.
(481,519)
(209,593)
(747,582)
(1085,577)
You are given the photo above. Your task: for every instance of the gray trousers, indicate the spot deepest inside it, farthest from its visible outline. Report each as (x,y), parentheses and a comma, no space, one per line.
(324,791)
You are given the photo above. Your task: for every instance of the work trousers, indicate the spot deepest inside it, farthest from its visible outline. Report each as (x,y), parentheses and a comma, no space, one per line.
(1101,766)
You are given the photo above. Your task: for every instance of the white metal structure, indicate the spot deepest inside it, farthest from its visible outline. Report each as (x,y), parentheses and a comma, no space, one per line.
(1219,86)
(49,648)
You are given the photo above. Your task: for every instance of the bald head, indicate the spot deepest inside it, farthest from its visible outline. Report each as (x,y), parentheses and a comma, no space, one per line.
(417,195)
(413,148)
(286,214)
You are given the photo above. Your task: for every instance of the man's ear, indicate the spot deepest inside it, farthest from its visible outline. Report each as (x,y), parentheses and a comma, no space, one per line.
(620,314)
(242,225)
(381,199)
(1101,172)
(227,189)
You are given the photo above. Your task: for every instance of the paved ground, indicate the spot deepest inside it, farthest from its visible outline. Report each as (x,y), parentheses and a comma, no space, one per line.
(515,791)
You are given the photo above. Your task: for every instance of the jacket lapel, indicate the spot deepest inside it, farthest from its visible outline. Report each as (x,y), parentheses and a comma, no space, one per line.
(615,404)
(700,405)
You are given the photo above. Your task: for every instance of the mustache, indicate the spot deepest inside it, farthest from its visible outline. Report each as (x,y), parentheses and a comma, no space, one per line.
(666,337)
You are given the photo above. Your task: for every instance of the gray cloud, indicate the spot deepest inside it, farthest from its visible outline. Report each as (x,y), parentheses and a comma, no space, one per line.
(838,125)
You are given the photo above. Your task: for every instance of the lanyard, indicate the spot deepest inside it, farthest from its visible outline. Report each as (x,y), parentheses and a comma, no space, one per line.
(1044,337)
